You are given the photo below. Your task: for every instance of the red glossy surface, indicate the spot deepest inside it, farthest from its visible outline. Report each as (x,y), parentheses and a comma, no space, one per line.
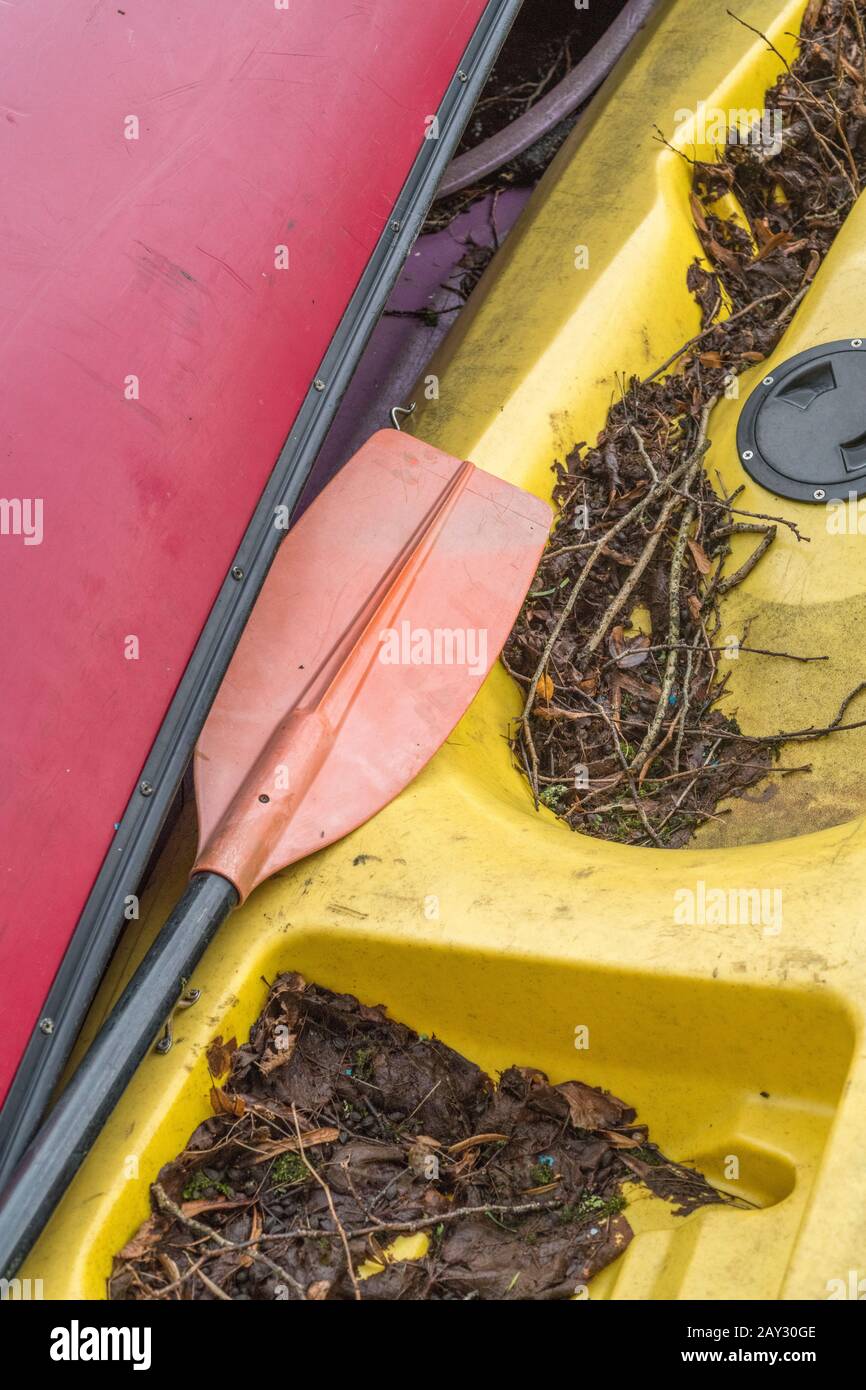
(154,258)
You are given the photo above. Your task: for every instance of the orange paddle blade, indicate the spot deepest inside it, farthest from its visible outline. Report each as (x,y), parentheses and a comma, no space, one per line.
(384,610)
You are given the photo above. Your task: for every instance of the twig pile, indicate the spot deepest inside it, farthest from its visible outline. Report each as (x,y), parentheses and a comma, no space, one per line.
(339,1131)
(619,644)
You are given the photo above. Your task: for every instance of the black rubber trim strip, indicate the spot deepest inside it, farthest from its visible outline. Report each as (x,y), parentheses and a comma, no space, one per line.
(97,930)
(69,1132)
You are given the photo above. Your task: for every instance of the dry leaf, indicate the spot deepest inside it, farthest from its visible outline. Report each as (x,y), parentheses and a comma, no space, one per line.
(722,255)
(144,1239)
(224,1104)
(291,983)
(213,1204)
(618,556)
(695,607)
(813,10)
(763,230)
(319,1291)
(327,1135)
(700,557)
(776,240)
(420,1151)
(427,1140)
(593,1109)
(475,1141)
(255,1231)
(624,1141)
(169,1266)
(545,687)
(698,212)
(219,1055)
(274,1057)
(645,690)
(628,652)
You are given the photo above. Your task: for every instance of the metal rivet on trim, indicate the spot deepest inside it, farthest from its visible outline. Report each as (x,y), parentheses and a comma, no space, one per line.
(46,1026)
(856,342)
(237,572)
(462,76)
(395,226)
(747,454)
(768,381)
(319,384)
(145,788)
(264,797)
(819,494)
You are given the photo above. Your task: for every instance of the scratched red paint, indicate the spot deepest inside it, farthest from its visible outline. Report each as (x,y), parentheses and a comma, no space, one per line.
(154,258)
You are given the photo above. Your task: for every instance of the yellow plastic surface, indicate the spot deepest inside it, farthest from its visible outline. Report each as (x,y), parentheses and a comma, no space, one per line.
(473,917)
(403,1248)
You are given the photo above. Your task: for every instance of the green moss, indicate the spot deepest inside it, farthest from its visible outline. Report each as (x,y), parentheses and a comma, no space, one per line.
(541,1174)
(592,1205)
(362,1063)
(200,1185)
(288,1170)
(552,796)
(650,1156)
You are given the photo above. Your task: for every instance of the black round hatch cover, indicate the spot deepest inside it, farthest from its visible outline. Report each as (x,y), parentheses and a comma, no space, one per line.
(802,431)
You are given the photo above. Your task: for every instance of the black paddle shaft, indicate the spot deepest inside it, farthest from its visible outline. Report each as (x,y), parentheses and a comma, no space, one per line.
(65,1139)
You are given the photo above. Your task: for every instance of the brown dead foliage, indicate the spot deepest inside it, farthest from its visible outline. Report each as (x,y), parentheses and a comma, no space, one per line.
(517,1186)
(618,644)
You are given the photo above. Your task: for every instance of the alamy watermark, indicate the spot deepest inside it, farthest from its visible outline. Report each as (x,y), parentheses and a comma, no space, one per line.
(853,1288)
(704,906)
(438,646)
(761,130)
(77,1343)
(22,516)
(846,518)
(20,1290)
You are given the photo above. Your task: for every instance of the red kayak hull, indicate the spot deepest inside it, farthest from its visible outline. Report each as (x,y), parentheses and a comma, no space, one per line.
(190,195)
